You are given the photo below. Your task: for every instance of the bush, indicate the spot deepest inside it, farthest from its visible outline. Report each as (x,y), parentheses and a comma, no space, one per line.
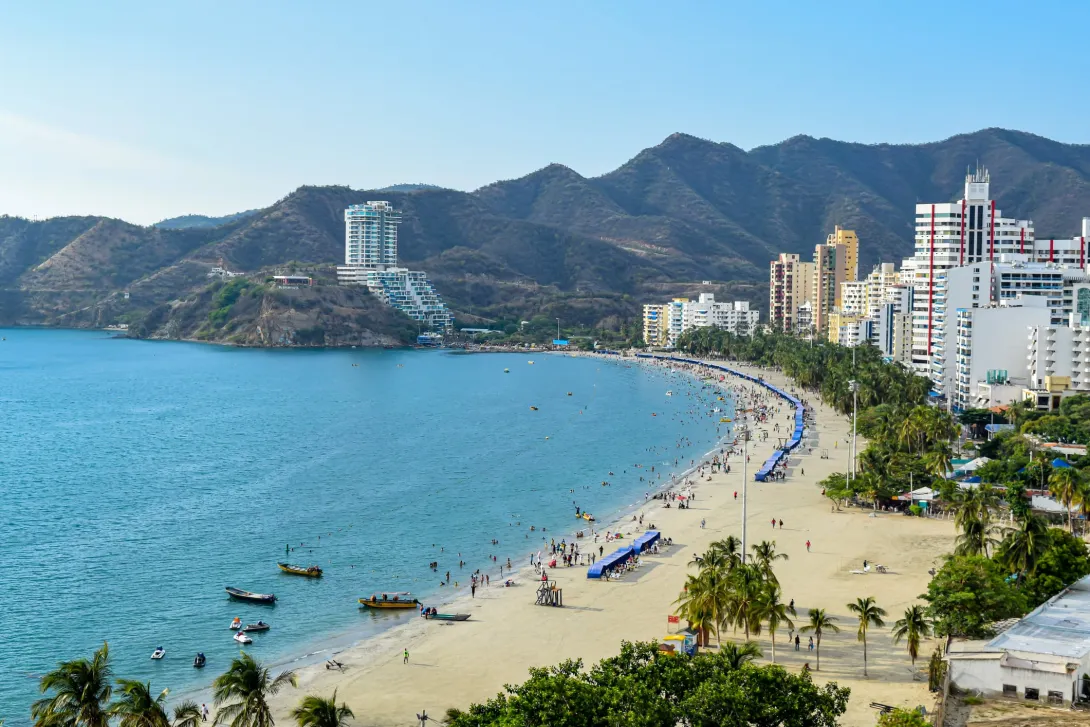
(902,718)
(915,510)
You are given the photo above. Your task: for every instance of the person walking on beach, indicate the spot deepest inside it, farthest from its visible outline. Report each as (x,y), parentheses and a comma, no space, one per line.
(473,589)
(796,642)
(405,657)
(204,712)
(811,647)
(701,523)
(807,546)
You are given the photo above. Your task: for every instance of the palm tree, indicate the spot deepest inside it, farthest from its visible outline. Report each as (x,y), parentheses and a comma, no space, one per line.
(913,628)
(729,548)
(187,714)
(819,624)
(137,707)
(244,690)
(1024,544)
(937,459)
(1065,483)
(701,604)
(869,614)
(745,585)
(764,555)
(81,693)
(736,654)
(320,712)
(771,608)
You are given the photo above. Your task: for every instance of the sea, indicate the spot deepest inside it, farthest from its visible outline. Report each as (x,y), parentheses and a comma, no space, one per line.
(139,478)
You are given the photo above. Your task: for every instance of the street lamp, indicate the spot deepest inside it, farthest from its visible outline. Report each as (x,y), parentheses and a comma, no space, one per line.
(855,403)
(558,329)
(745,483)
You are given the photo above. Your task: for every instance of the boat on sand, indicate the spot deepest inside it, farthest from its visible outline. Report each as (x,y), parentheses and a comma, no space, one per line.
(448,616)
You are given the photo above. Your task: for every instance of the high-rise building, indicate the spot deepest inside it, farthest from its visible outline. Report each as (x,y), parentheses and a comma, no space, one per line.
(879,282)
(655,325)
(790,284)
(830,271)
(854,297)
(370,235)
(850,241)
(370,259)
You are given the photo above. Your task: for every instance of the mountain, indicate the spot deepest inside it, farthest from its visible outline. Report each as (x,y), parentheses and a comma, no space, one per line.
(554,243)
(179,223)
(410,188)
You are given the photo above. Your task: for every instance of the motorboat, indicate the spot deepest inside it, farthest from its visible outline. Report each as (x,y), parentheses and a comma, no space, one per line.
(242,638)
(236,624)
(198,661)
(241,595)
(533,408)
(159,653)
(507,371)
(401,600)
(309,571)
(259,626)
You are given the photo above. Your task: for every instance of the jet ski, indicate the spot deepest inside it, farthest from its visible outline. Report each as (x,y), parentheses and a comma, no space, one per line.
(198,661)
(242,638)
(159,653)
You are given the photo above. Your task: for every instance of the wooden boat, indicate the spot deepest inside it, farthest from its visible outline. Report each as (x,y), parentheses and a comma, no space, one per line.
(448,616)
(390,601)
(259,626)
(312,571)
(242,595)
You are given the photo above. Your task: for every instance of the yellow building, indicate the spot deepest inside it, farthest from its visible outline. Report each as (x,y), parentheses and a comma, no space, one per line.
(656,325)
(850,241)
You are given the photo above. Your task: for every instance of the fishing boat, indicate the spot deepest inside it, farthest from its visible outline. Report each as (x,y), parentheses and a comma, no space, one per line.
(242,638)
(259,626)
(448,616)
(236,624)
(311,571)
(242,595)
(390,601)
(533,408)
(159,653)
(198,661)
(507,371)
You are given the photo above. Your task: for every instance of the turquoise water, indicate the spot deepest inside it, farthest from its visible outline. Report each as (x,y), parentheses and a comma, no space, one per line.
(140,478)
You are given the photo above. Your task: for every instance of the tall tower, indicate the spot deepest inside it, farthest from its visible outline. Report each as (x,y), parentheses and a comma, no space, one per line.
(370,238)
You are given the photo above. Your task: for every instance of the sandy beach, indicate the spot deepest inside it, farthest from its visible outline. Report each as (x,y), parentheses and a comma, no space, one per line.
(454,665)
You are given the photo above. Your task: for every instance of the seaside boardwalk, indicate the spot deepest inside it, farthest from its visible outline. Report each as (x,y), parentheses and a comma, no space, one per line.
(508,633)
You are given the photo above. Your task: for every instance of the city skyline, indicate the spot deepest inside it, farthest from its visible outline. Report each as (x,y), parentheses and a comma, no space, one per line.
(143,112)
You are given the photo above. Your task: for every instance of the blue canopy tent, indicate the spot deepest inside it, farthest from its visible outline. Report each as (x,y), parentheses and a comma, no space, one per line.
(611,561)
(646,540)
(1060,463)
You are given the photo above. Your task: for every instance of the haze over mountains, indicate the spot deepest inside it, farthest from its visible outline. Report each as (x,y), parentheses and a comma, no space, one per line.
(554,242)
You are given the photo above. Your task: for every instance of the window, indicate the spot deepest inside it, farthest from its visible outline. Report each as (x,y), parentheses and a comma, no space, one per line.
(1055,697)
(1009,690)
(1032,693)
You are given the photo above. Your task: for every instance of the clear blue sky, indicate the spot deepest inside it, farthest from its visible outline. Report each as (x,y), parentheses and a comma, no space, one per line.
(145,110)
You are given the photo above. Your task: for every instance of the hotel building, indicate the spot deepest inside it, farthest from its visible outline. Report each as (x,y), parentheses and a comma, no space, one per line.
(790,284)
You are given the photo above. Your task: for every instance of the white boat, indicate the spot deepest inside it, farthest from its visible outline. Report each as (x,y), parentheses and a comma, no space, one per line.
(242,638)
(236,624)
(159,653)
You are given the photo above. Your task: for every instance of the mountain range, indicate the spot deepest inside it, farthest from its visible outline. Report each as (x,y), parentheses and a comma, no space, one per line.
(554,243)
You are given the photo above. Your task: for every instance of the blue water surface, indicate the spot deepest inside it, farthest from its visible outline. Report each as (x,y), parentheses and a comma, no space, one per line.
(137,479)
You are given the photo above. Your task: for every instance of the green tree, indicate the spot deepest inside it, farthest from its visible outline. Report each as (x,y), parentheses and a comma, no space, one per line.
(242,693)
(764,556)
(968,594)
(1063,561)
(136,706)
(1065,484)
(1024,545)
(902,718)
(81,692)
(835,487)
(820,622)
(735,654)
(314,711)
(913,628)
(763,697)
(869,614)
(772,610)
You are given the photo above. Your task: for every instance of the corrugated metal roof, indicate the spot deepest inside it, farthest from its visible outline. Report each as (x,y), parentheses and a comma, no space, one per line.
(1060,627)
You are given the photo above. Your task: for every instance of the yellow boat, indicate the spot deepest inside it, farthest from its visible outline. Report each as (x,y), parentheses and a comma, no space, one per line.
(298,570)
(725,420)
(390,601)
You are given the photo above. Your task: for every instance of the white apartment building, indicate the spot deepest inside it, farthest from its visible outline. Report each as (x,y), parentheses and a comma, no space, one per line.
(853,297)
(370,259)
(990,345)
(881,279)
(664,323)
(982,284)
(892,329)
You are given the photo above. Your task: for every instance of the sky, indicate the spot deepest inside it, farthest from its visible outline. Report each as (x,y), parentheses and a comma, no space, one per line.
(145,110)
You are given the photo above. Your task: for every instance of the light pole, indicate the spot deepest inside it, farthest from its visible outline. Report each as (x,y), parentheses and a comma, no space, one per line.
(855,399)
(558,329)
(745,484)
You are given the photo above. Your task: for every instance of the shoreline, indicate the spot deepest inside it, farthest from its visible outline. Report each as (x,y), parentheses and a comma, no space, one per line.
(314,653)
(453,665)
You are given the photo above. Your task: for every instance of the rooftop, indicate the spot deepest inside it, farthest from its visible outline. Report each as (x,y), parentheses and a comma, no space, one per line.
(1059,627)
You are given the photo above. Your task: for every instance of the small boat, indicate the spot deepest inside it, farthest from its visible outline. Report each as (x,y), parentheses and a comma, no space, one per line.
(725,420)
(569,393)
(236,624)
(507,371)
(251,597)
(311,571)
(669,393)
(198,661)
(530,362)
(533,408)
(242,638)
(588,517)
(159,653)
(448,616)
(259,626)
(390,601)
